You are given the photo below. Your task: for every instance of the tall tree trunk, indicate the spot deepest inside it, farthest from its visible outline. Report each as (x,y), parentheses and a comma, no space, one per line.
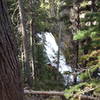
(59,44)
(75,20)
(10,83)
(33,33)
(26,46)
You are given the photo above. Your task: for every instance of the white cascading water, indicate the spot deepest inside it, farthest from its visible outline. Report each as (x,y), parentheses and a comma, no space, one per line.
(52,50)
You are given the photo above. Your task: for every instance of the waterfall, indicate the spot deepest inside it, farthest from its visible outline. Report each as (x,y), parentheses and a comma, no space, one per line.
(51,48)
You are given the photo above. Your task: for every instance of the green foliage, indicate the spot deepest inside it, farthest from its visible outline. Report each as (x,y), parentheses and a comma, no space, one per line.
(41,20)
(88,74)
(89,51)
(80,35)
(40,60)
(92,32)
(81,88)
(45,73)
(91,28)
(69,93)
(49,81)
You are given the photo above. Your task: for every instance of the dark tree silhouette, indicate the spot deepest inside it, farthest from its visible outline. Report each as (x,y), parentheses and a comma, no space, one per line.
(10,84)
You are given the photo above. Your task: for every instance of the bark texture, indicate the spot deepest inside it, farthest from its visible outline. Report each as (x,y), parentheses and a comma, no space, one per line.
(10,84)
(44,92)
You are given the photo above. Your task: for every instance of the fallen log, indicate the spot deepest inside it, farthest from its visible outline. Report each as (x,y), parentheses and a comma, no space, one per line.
(44,92)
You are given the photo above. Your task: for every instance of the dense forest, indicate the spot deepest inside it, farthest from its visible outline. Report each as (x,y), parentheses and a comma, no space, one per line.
(49,49)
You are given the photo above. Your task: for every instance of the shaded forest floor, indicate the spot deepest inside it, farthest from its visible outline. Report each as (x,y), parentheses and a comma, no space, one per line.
(27,97)
(89,89)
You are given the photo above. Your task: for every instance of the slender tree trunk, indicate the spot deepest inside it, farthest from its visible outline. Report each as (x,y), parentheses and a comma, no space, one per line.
(26,46)
(32,31)
(59,45)
(10,83)
(33,34)
(75,20)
